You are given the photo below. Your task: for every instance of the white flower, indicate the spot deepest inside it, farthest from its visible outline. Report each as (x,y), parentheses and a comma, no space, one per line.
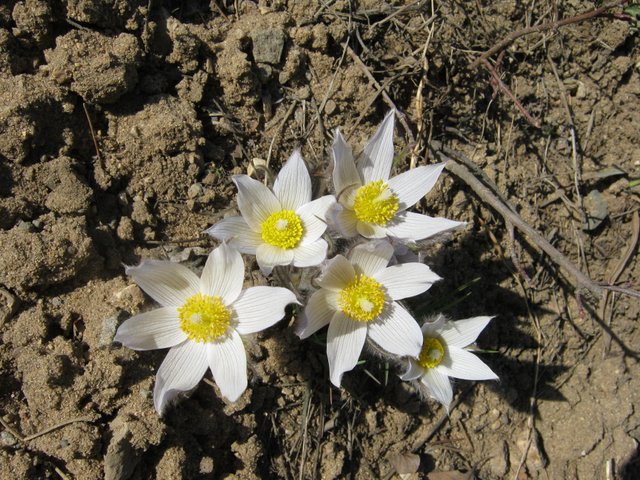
(281,227)
(357,299)
(443,355)
(202,321)
(373,205)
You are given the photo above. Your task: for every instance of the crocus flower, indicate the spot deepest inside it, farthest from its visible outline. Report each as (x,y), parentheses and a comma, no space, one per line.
(202,321)
(372,204)
(357,299)
(279,227)
(443,355)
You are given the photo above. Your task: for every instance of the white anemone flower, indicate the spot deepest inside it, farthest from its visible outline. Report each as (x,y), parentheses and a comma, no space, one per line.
(202,321)
(443,355)
(372,204)
(279,227)
(357,298)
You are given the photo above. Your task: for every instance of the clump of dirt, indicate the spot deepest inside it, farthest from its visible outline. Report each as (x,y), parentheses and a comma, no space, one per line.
(122,123)
(98,68)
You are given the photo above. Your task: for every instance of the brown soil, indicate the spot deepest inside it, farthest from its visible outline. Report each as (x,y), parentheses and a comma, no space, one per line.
(180,96)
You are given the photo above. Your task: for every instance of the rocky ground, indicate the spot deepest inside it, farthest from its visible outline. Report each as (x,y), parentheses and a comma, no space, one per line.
(121,124)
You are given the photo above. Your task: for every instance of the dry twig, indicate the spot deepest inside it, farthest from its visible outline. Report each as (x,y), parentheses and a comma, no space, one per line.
(578,279)
(545,27)
(401,117)
(606,315)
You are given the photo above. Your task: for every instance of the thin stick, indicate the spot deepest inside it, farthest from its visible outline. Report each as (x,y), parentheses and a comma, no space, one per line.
(401,117)
(11,430)
(509,93)
(626,256)
(93,134)
(544,27)
(57,426)
(578,279)
(45,431)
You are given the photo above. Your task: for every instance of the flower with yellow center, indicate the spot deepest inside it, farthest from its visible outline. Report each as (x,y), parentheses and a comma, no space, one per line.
(361,299)
(282,226)
(444,355)
(202,321)
(431,354)
(282,229)
(373,205)
(357,299)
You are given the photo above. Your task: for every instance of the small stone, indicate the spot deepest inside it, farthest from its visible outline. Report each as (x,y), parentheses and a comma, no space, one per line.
(330,107)
(268,44)
(108,331)
(9,304)
(206,465)
(26,226)
(7,439)
(195,190)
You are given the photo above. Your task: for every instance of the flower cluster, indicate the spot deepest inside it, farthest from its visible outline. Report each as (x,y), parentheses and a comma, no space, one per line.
(203,320)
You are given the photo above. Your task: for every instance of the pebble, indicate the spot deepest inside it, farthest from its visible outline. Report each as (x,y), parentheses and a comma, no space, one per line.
(268,44)
(108,331)
(7,439)
(195,190)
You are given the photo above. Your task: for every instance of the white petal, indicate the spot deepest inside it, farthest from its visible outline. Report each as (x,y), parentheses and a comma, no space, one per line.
(371,257)
(413,226)
(236,232)
(432,326)
(411,186)
(439,386)
(414,371)
(344,221)
(459,363)
(406,279)
(255,201)
(228,363)
(337,274)
(268,256)
(159,328)
(371,230)
(258,308)
(312,225)
(345,340)
(463,332)
(181,370)
(310,254)
(293,184)
(319,207)
(314,218)
(317,313)
(345,174)
(223,274)
(375,161)
(169,284)
(397,332)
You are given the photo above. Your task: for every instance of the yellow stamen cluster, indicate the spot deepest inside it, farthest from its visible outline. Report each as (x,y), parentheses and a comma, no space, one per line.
(282,229)
(375,203)
(362,299)
(204,318)
(432,353)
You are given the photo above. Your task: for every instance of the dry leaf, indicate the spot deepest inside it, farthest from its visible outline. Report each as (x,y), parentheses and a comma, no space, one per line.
(405,463)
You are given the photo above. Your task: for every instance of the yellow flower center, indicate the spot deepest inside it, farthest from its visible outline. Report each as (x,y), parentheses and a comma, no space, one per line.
(375,203)
(431,354)
(362,299)
(282,229)
(204,318)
